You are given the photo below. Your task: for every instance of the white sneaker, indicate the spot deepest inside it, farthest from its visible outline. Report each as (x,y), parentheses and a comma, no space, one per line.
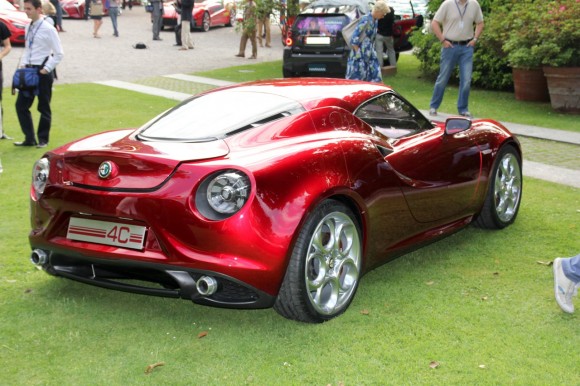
(564,288)
(432,112)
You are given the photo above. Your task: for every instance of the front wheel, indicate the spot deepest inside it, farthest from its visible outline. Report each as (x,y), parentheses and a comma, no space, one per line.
(206,22)
(504,194)
(324,269)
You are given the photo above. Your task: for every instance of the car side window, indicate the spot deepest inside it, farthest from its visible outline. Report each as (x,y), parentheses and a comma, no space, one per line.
(393,116)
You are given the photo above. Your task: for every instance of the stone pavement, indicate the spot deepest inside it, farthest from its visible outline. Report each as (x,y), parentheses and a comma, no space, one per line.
(566,173)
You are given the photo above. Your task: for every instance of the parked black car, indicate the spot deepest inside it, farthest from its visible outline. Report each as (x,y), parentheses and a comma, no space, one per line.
(314,45)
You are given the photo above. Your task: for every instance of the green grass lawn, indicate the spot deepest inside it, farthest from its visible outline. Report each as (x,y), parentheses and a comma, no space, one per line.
(479,304)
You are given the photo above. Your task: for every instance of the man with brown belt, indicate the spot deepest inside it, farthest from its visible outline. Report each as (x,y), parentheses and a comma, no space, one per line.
(458,40)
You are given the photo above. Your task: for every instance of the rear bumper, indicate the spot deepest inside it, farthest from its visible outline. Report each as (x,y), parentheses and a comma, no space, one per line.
(155,280)
(319,65)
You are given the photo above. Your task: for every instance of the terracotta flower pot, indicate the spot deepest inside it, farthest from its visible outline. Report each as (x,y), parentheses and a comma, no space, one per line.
(564,87)
(530,85)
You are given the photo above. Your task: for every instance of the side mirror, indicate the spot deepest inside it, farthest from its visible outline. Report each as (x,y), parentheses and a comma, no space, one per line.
(456,125)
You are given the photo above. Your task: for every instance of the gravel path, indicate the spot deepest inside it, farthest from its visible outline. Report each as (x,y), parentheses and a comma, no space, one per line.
(88,59)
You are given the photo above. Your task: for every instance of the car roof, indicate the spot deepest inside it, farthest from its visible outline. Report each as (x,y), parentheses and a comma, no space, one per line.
(361,5)
(318,92)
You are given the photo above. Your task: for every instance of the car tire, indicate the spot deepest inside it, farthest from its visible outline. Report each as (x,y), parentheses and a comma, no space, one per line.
(504,194)
(324,268)
(287,73)
(205,22)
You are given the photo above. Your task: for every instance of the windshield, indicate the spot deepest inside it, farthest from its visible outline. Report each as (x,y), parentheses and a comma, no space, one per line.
(217,115)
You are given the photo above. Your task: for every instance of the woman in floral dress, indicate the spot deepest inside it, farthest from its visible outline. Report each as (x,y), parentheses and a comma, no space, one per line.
(363,63)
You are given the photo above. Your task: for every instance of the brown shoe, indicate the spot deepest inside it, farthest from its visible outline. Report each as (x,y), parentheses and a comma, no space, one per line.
(240,55)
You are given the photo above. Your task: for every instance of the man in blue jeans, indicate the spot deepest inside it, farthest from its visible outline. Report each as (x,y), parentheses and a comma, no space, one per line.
(458,40)
(566,281)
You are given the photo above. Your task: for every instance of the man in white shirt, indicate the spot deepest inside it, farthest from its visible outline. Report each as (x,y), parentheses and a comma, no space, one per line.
(43,51)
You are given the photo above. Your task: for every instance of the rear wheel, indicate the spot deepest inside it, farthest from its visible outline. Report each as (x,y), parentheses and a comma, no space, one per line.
(324,269)
(504,194)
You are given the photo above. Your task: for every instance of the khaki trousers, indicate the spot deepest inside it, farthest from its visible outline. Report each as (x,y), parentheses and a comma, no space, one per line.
(244,40)
(264,24)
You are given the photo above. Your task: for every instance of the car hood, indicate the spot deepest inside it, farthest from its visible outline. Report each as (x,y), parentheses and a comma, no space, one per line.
(117,160)
(15,16)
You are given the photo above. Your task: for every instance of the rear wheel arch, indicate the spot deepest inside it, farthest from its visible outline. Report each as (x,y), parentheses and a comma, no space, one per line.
(321,278)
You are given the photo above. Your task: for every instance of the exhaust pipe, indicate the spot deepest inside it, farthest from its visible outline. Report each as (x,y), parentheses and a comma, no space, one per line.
(206,286)
(39,257)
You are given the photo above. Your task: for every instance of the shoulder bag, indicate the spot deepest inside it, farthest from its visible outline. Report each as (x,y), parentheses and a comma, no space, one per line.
(348,30)
(26,79)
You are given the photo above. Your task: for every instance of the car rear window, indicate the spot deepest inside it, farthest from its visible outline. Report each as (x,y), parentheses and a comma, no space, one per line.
(319,25)
(217,115)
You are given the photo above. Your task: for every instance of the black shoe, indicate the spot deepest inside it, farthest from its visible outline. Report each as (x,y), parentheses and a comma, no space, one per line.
(4,136)
(41,145)
(157,39)
(25,143)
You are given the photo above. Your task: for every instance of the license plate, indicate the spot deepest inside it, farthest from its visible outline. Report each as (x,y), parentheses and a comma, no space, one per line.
(105,232)
(317,40)
(317,67)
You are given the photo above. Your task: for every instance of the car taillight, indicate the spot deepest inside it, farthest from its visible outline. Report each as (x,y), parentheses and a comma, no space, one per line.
(289,41)
(223,194)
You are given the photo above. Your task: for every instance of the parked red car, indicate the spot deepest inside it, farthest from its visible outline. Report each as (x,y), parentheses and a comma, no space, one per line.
(285,199)
(15,20)
(206,14)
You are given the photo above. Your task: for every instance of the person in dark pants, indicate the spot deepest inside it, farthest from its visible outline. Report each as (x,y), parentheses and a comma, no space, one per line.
(42,50)
(385,38)
(6,48)
(186,13)
(127,3)
(157,18)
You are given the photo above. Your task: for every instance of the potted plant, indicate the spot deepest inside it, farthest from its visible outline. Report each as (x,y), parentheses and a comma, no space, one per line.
(559,47)
(521,39)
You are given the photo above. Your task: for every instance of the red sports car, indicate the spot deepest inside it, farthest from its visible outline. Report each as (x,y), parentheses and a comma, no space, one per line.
(206,14)
(15,20)
(284,199)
